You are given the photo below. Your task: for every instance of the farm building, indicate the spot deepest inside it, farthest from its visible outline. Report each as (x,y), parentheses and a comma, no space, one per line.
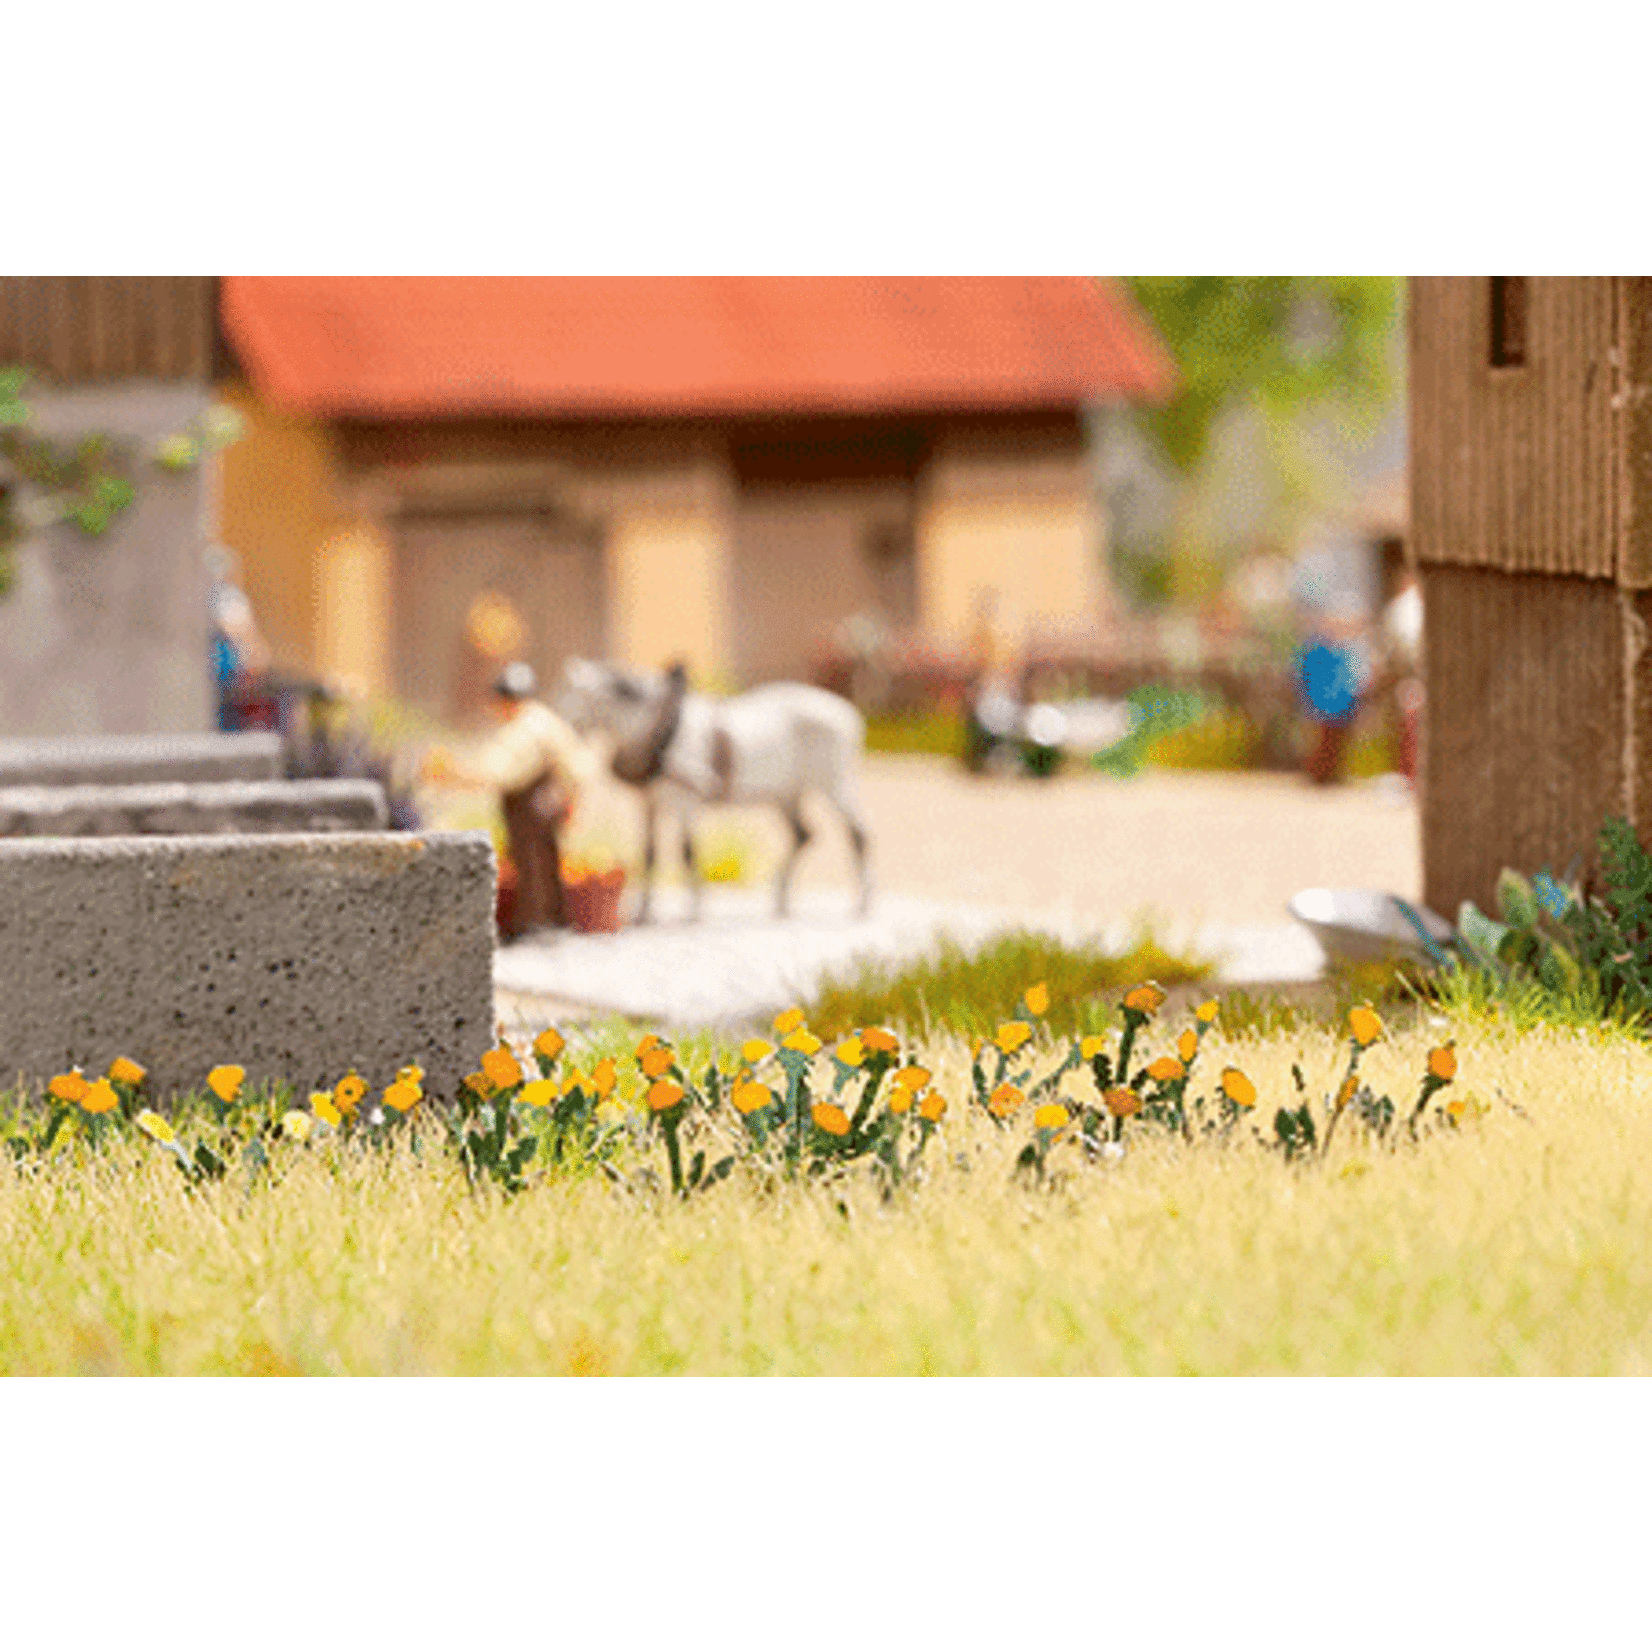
(727,470)
(1531,518)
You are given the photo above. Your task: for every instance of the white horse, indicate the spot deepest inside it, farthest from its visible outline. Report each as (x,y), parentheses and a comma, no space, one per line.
(773,745)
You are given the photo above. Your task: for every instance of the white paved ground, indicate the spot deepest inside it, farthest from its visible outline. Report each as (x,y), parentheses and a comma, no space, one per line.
(1212,859)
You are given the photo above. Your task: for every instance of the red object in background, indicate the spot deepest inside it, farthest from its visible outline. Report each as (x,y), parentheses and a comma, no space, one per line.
(593,902)
(504,898)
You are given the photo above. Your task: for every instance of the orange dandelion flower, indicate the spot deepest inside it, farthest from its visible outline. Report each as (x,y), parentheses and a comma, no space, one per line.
(748,1096)
(1346,1093)
(1364,1025)
(901,1097)
(932,1107)
(1166,1070)
(1456,1107)
(650,1042)
(659,1061)
(1011,1036)
(1147,999)
(225,1082)
(1004,1100)
(100,1096)
(1237,1088)
(1442,1063)
(663,1094)
(402,1094)
(911,1078)
(479,1084)
(502,1068)
(604,1077)
(788,1021)
(880,1039)
(349,1090)
(803,1041)
(1121,1102)
(1187,1046)
(122,1071)
(1037,999)
(831,1118)
(1093,1046)
(69,1086)
(550,1044)
(1207,1012)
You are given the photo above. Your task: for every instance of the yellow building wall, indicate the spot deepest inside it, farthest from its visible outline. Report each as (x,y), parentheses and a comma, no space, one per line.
(1025,563)
(277,505)
(355,617)
(668,584)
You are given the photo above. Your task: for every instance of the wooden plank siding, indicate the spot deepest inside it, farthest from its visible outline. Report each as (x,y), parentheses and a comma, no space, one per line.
(78,328)
(1522,468)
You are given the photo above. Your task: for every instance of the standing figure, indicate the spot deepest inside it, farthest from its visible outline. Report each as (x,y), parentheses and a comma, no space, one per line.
(240,655)
(538,766)
(1333,672)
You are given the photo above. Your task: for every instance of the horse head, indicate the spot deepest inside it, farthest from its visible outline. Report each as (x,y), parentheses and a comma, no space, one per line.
(593,695)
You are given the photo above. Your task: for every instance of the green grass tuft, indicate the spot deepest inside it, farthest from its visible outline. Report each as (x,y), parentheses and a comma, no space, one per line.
(974,991)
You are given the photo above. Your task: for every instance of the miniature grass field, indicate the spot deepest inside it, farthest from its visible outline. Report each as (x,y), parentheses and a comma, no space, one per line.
(1516,1243)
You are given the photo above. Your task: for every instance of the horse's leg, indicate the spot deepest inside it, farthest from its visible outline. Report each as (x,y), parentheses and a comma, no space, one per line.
(650,831)
(861,843)
(691,865)
(800,836)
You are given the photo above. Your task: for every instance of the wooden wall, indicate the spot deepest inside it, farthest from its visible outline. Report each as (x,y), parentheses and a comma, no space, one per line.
(78,328)
(1531,518)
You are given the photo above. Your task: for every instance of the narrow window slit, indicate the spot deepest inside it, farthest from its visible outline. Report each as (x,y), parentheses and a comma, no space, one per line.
(1508,321)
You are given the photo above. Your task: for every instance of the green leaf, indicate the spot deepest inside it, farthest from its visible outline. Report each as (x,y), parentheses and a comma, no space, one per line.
(1516,903)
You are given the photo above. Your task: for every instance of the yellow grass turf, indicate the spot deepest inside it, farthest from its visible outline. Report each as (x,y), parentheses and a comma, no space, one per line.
(1517,1244)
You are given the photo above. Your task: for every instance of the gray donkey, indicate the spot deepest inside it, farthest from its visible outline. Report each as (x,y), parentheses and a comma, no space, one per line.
(684,750)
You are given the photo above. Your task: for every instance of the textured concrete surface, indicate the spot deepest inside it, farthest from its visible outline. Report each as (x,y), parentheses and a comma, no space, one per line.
(140,759)
(108,635)
(193,810)
(738,963)
(295,957)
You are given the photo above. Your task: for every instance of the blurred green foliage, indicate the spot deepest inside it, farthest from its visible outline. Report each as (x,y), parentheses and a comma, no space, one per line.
(1281,343)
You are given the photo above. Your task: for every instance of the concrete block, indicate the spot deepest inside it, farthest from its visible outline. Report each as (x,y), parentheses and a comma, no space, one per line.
(140,759)
(295,957)
(194,811)
(109,635)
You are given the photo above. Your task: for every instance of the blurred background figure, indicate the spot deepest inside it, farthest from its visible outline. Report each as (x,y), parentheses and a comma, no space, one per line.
(539,767)
(1333,673)
(240,656)
(1402,625)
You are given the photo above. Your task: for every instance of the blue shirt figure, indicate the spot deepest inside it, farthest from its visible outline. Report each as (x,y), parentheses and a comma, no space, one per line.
(1330,678)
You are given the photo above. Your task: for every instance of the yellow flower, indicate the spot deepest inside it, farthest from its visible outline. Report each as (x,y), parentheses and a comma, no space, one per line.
(1207,1012)
(1093,1046)
(1004,1100)
(225,1082)
(100,1096)
(788,1021)
(402,1094)
(880,1039)
(1364,1025)
(754,1050)
(649,1042)
(411,1074)
(1442,1063)
(659,1061)
(123,1071)
(156,1128)
(803,1041)
(349,1090)
(932,1106)
(851,1052)
(502,1068)
(1237,1088)
(1346,1093)
(539,1092)
(1456,1107)
(1011,1036)
(549,1044)
(664,1094)
(1037,999)
(1052,1116)
(911,1078)
(1166,1070)
(831,1118)
(1121,1102)
(69,1086)
(748,1095)
(1147,999)
(1187,1046)
(901,1097)
(321,1104)
(297,1124)
(479,1084)
(604,1077)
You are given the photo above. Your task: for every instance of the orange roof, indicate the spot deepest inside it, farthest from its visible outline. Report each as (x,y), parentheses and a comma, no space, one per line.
(631,346)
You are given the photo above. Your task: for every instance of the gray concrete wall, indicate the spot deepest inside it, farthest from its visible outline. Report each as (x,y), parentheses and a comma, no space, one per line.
(108,635)
(193,810)
(293,957)
(138,760)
